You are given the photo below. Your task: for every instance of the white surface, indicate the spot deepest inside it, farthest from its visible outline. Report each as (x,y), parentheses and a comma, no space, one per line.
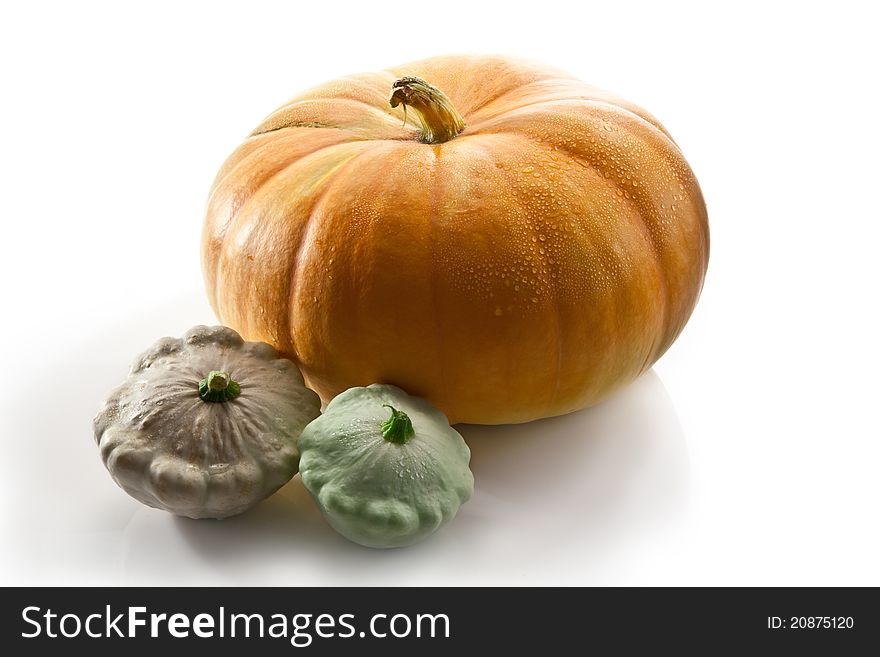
(748,456)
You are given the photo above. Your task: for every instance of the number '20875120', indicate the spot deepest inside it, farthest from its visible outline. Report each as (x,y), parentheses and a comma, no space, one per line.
(810,623)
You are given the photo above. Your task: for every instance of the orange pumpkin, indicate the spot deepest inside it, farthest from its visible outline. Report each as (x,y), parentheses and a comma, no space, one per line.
(497,237)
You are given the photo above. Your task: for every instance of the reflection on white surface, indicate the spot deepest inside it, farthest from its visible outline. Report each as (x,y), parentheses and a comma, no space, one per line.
(558,501)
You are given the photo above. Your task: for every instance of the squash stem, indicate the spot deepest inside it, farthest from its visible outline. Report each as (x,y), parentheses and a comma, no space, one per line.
(439,118)
(398,428)
(218,386)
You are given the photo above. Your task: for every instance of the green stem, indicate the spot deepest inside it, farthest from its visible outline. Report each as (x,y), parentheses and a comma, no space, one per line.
(439,118)
(218,387)
(398,428)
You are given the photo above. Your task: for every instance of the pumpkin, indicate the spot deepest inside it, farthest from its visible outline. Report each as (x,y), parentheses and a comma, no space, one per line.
(495,236)
(206,425)
(385,468)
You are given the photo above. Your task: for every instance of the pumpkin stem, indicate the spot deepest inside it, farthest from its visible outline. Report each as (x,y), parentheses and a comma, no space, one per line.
(440,120)
(398,428)
(218,387)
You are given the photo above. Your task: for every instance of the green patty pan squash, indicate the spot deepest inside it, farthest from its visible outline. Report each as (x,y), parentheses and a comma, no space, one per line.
(206,425)
(385,468)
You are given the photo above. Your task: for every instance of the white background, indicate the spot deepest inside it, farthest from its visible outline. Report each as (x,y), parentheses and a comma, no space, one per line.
(749,455)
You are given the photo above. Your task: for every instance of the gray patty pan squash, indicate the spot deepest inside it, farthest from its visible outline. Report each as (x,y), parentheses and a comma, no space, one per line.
(206,425)
(385,468)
